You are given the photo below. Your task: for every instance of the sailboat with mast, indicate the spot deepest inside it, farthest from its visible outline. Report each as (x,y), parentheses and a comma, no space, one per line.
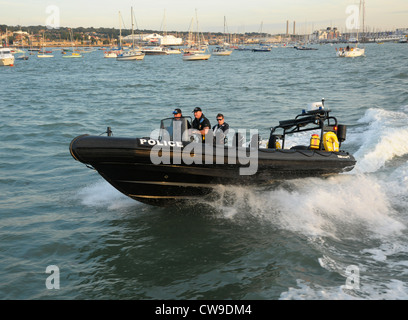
(114,52)
(262,47)
(132,54)
(42,53)
(197,54)
(24,55)
(73,53)
(223,50)
(353,52)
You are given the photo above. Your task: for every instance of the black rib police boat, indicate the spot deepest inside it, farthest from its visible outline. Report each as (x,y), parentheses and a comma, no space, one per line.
(177,166)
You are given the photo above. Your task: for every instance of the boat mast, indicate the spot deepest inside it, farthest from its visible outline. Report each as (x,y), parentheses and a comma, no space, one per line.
(198,33)
(190,33)
(364,20)
(133,37)
(224,34)
(120,33)
(362,9)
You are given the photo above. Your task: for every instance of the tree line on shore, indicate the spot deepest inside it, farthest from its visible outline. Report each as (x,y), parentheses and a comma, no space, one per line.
(102,33)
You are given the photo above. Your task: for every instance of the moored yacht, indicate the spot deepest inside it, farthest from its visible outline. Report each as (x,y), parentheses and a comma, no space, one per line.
(6,57)
(130,55)
(157,50)
(193,56)
(221,51)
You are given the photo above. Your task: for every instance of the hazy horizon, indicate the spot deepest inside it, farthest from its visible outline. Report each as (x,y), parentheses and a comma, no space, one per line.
(177,15)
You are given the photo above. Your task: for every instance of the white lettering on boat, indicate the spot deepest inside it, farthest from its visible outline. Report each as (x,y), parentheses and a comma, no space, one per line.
(154,142)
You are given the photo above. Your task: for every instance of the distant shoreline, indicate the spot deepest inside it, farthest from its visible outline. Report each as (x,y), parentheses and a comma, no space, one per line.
(108,37)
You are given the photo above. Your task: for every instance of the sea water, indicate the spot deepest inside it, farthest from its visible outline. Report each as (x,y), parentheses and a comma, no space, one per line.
(342,237)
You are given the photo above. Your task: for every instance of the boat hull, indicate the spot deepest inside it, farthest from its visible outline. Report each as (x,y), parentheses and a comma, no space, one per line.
(261,50)
(196,57)
(112,54)
(126,164)
(72,56)
(154,51)
(130,57)
(225,53)
(7,61)
(356,52)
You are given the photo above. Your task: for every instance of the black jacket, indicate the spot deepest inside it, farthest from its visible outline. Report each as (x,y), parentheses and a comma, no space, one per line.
(201,123)
(224,127)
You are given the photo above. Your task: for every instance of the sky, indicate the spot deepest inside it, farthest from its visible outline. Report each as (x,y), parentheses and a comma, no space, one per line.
(270,16)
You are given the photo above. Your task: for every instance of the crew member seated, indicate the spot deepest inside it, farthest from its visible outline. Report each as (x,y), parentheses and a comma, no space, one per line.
(220,130)
(201,123)
(178,115)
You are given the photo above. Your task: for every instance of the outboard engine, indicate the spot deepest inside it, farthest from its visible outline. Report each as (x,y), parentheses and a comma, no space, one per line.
(341,132)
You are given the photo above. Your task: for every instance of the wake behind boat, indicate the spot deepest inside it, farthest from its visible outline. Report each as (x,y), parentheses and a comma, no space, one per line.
(177,166)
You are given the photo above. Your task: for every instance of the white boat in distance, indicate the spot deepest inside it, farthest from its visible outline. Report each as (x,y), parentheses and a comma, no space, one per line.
(133,54)
(130,56)
(224,50)
(6,57)
(353,52)
(201,54)
(172,50)
(44,55)
(111,53)
(24,56)
(220,51)
(191,56)
(350,52)
(154,50)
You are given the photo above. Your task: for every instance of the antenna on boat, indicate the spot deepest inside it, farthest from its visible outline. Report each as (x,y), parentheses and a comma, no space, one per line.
(109,131)
(323,102)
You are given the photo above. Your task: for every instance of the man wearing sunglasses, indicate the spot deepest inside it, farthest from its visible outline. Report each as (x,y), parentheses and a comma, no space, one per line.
(220,129)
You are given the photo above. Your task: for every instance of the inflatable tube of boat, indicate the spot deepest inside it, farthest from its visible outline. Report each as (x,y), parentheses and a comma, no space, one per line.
(330,142)
(71,150)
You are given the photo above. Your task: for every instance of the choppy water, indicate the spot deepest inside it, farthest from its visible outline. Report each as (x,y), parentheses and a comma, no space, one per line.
(304,239)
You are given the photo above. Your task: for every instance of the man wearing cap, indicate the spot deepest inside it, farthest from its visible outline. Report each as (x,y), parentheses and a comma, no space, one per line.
(178,115)
(201,123)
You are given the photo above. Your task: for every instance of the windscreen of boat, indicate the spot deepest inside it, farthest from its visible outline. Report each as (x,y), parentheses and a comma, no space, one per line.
(175,129)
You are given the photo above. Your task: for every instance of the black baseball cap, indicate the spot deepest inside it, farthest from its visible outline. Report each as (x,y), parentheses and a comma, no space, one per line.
(197,109)
(177,111)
